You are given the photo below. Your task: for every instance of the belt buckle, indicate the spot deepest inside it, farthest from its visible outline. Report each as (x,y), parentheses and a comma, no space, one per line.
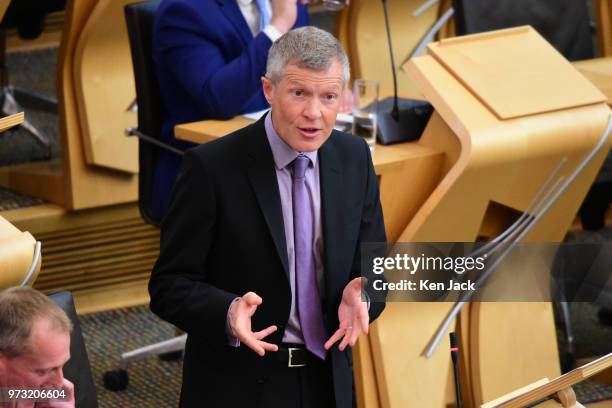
(290,364)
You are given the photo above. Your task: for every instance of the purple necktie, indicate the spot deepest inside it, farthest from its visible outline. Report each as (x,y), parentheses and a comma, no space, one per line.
(308,299)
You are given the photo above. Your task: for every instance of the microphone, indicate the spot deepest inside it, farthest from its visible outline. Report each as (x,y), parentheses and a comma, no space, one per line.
(454,349)
(400,119)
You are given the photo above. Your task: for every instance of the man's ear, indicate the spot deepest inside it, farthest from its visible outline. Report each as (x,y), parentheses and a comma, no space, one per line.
(267,89)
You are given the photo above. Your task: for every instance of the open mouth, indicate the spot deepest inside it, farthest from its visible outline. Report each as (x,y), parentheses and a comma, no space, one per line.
(309,131)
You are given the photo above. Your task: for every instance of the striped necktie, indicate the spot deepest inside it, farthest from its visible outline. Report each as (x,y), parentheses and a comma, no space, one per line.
(264,13)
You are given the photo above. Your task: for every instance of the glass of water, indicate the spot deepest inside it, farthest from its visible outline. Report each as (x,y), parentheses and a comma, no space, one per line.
(335,4)
(365,109)
(331,4)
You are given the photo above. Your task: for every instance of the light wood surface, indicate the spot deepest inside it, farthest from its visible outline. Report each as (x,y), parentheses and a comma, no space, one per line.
(11,120)
(85,186)
(599,72)
(104,88)
(501,83)
(515,393)
(208,130)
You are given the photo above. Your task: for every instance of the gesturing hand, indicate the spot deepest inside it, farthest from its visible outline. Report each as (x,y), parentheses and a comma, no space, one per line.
(240,322)
(66,402)
(353,316)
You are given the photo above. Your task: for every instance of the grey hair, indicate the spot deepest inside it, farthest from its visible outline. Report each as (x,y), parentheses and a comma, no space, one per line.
(307,47)
(19,308)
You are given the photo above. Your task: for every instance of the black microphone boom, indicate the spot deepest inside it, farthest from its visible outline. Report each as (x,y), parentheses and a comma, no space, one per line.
(400,119)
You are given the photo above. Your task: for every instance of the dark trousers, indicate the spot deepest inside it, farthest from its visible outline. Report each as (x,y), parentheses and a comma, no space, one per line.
(310,386)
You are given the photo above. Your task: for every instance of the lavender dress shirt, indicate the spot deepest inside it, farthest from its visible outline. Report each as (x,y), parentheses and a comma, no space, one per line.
(283,156)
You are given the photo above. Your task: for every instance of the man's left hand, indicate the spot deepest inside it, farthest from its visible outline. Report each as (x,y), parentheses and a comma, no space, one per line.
(353,316)
(67,402)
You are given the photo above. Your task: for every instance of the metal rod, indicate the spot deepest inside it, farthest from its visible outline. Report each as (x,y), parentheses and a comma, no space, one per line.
(34,265)
(430,34)
(424,7)
(149,139)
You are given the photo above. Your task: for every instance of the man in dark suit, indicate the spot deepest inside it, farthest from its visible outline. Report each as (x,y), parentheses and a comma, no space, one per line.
(260,251)
(209,56)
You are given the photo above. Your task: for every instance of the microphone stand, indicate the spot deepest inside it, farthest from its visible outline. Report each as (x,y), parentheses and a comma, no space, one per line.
(399,119)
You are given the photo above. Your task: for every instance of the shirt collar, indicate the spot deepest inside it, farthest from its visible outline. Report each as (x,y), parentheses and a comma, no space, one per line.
(283,153)
(244,2)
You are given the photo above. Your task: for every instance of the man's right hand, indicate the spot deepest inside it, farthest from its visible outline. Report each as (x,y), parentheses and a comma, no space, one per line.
(240,323)
(284,14)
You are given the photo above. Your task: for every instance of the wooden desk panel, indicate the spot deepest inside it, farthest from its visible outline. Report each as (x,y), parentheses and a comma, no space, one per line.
(599,72)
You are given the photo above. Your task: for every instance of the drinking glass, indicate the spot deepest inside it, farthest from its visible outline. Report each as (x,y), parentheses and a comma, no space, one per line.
(365,109)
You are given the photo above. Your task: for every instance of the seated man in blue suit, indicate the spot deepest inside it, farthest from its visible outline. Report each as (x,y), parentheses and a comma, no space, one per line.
(209,57)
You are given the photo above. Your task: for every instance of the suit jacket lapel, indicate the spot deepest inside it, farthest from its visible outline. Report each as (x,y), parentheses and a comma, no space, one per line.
(231,10)
(263,179)
(330,174)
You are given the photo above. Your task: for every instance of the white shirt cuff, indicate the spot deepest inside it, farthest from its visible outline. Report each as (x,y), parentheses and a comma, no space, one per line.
(272,32)
(231,339)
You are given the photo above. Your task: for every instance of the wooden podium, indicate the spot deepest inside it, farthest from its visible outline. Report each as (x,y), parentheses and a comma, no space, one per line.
(508,110)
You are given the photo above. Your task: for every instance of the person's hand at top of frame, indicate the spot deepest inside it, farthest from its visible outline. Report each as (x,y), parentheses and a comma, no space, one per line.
(284,13)
(353,316)
(240,323)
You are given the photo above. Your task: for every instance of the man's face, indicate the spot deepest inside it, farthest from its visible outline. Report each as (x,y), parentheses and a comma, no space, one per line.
(305,104)
(40,366)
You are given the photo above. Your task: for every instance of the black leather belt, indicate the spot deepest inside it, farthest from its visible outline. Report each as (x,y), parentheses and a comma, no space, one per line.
(293,356)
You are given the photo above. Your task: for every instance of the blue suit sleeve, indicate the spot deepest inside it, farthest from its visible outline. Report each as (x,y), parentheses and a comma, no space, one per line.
(186,47)
(189,48)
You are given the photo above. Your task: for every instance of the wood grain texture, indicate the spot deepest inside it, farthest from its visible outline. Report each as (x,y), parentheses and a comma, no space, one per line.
(104,88)
(85,186)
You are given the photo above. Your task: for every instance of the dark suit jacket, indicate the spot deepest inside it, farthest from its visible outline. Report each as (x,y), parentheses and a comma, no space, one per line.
(224,236)
(209,66)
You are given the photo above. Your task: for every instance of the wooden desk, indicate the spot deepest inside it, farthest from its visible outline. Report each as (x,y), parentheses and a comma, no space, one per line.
(599,72)
(407,172)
